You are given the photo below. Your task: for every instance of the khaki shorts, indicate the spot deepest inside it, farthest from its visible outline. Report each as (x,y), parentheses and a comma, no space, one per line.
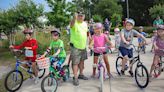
(78,55)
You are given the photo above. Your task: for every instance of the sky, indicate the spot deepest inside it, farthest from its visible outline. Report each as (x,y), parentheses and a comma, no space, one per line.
(6,4)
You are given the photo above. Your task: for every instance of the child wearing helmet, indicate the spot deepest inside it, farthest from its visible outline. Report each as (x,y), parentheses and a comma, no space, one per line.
(117,38)
(158,47)
(57,47)
(30,45)
(125,48)
(140,40)
(99,40)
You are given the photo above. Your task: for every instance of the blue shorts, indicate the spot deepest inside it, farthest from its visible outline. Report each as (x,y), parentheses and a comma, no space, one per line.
(126,52)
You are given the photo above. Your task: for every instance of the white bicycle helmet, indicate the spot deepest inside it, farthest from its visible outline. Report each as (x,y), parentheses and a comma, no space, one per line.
(130,21)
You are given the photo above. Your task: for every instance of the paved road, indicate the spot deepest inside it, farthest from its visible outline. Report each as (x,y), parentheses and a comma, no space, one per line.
(116,84)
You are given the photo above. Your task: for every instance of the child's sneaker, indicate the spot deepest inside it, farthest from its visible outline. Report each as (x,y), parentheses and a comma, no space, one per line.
(36,80)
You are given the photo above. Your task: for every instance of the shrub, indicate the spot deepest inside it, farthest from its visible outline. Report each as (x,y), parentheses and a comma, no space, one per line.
(97,18)
(157,10)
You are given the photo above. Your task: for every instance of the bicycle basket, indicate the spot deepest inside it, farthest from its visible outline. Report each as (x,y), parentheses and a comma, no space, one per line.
(43,63)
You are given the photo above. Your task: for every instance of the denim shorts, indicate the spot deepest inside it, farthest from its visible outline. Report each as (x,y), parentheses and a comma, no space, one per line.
(126,52)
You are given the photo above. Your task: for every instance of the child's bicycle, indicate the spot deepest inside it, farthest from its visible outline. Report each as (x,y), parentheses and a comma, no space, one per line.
(14,78)
(101,68)
(141,73)
(159,68)
(50,82)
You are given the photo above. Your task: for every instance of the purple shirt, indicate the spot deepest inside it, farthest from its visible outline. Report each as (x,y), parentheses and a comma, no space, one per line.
(159,43)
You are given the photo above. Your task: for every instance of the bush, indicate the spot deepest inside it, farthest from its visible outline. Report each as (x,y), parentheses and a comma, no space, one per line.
(116,19)
(157,10)
(97,18)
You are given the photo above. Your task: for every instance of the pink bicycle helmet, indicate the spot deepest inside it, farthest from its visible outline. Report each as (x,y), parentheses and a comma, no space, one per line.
(98,26)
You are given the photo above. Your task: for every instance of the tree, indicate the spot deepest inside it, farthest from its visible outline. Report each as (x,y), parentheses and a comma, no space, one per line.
(28,12)
(116,19)
(157,10)
(25,12)
(106,8)
(61,12)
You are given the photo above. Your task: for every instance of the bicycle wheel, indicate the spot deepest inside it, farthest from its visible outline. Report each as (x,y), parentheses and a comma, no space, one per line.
(67,72)
(41,73)
(141,76)
(101,79)
(13,80)
(119,65)
(49,84)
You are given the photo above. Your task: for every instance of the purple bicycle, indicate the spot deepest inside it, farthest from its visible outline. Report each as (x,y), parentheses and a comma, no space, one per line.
(100,66)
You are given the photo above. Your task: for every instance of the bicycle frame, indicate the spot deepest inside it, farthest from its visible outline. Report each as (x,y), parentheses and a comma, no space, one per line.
(100,63)
(20,63)
(53,71)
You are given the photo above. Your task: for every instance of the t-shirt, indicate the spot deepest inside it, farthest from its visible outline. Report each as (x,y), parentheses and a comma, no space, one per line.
(79,35)
(158,22)
(55,45)
(159,42)
(29,43)
(141,39)
(128,37)
(99,41)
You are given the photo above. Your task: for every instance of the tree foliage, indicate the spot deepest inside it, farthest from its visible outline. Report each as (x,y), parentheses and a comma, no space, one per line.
(157,10)
(61,12)
(25,12)
(106,8)
(116,19)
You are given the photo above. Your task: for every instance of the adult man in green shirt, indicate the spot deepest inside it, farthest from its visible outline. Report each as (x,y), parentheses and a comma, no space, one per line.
(157,21)
(78,46)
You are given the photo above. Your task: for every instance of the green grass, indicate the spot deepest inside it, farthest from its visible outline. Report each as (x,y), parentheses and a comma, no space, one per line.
(6,57)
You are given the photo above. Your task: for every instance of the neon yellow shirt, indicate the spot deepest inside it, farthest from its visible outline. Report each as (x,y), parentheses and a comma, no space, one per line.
(79,35)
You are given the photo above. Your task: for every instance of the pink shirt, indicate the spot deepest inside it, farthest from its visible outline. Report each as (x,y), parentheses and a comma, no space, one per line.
(99,41)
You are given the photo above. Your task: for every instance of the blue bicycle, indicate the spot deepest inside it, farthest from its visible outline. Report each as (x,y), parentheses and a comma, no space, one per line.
(14,78)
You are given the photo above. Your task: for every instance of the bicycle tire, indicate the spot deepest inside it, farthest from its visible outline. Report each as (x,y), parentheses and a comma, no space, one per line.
(49,83)
(117,65)
(6,80)
(42,73)
(137,75)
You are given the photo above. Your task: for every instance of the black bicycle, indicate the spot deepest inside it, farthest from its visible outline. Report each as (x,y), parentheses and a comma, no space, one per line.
(141,72)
